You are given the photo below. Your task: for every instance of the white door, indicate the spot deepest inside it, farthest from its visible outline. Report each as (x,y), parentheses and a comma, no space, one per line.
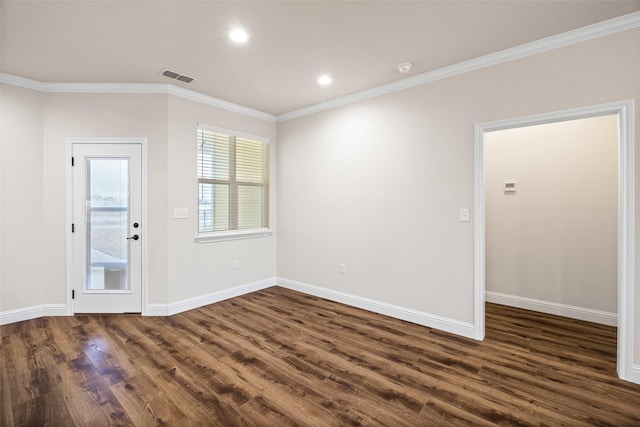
(107,227)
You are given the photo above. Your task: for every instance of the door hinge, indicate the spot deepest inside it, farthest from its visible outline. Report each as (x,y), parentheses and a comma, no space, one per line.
(73,294)
(73,228)
(72,161)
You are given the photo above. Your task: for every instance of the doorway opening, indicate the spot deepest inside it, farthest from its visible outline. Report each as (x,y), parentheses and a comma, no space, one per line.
(623,111)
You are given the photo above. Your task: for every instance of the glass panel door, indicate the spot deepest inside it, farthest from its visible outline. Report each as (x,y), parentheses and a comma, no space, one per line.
(108,226)
(107,216)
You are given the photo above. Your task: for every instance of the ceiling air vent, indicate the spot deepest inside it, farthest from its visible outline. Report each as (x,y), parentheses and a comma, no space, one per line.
(185,79)
(177,76)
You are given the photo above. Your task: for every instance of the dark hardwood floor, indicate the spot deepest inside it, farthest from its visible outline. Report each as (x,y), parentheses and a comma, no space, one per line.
(278,357)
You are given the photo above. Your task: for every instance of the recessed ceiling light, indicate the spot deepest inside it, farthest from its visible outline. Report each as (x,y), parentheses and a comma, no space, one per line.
(324,80)
(239,35)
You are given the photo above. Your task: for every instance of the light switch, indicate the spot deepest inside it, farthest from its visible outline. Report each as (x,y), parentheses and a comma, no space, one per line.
(464,215)
(342,268)
(181,213)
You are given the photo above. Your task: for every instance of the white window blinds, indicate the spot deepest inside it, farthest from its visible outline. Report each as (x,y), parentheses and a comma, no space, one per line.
(233,182)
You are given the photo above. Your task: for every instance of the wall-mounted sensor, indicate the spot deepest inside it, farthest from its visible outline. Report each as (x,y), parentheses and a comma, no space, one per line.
(510,187)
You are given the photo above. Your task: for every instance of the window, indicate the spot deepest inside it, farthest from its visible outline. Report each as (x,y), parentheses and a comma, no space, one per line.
(233,184)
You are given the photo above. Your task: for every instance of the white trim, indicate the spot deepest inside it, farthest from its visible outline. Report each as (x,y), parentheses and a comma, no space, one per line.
(211,298)
(170,309)
(635,375)
(571,311)
(231,132)
(579,35)
(68,221)
(148,88)
(479,238)
(220,103)
(156,310)
(626,241)
(23,82)
(62,87)
(144,219)
(55,309)
(626,216)
(425,319)
(568,38)
(34,312)
(232,235)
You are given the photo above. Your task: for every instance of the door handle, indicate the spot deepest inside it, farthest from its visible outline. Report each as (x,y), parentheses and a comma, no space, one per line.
(134,237)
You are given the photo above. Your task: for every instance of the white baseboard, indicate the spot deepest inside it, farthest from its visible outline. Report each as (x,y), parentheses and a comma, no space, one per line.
(156,310)
(33,312)
(573,312)
(425,319)
(43,310)
(635,374)
(202,300)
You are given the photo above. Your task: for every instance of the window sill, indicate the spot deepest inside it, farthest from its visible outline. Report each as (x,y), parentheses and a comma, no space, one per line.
(232,235)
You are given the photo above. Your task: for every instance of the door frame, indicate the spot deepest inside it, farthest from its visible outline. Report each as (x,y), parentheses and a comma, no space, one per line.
(626,219)
(69,212)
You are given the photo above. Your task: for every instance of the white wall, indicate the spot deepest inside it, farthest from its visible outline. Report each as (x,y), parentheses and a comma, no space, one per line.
(35,128)
(103,116)
(22,219)
(554,239)
(194,268)
(378,184)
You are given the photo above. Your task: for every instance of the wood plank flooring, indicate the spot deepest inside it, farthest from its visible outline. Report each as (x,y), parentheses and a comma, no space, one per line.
(280,358)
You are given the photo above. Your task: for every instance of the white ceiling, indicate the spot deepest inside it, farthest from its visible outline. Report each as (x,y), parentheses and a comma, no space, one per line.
(359,43)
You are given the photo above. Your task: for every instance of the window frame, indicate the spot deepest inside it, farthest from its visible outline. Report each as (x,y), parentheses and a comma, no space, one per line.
(235,234)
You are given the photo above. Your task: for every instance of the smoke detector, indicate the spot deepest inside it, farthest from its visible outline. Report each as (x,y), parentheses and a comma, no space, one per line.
(405,67)
(177,76)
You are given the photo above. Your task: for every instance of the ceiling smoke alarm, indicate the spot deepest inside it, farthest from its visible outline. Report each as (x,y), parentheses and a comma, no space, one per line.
(405,67)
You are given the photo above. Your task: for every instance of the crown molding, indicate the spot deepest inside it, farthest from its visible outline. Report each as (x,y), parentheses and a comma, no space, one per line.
(579,35)
(144,88)
(12,80)
(158,88)
(219,103)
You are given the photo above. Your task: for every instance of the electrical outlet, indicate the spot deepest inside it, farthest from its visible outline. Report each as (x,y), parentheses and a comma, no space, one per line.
(464,215)
(236,264)
(342,268)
